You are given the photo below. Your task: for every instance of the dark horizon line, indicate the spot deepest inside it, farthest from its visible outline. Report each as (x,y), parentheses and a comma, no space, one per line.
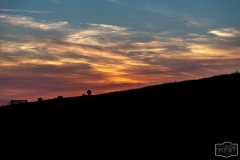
(59,97)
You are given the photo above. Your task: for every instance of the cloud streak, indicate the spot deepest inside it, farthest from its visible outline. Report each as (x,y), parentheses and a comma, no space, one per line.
(28,11)
(190,21)
(104,57)
(29,22)
(116,1)
(226,32)
(99,34)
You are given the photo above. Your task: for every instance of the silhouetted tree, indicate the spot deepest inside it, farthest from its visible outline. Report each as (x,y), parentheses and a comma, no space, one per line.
(89,92)
(39,99)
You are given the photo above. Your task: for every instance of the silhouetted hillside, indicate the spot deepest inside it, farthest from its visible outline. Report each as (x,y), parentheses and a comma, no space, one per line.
(207,91)
(179,119)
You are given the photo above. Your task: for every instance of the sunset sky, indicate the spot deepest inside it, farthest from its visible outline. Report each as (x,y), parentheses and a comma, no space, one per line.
(51,48)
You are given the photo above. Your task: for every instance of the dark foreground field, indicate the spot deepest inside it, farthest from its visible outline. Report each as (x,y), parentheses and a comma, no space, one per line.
(173,120)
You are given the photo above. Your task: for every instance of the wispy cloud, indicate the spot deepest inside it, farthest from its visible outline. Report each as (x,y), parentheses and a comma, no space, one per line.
(113,0)
(19,10)
(196,35)
(103,58)
(111,27)
(199,22)
(116,1)
(226,32)
(132,16)
(98,34)
(190,21)
(31,22)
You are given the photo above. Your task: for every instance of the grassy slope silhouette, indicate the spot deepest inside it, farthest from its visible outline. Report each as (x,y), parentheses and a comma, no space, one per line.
(203,92)
(182,118)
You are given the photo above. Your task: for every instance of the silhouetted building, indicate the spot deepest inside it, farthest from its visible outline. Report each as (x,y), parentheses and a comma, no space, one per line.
(12,102)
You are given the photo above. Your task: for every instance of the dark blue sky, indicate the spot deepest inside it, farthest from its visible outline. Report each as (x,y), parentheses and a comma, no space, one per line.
(65,47)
